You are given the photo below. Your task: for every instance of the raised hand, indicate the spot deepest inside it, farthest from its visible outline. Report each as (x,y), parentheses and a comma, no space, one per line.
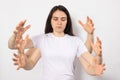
(97,47)
(88,26)
(20,30)
(23,44)
(20,58)
(97,69)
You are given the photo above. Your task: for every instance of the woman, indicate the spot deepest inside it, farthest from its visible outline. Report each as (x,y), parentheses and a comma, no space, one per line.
(57,48)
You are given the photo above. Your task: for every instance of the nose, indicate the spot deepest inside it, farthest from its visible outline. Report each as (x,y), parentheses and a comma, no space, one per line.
(59,22)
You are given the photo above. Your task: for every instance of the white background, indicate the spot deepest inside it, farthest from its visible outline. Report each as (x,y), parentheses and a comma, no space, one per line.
(104,13)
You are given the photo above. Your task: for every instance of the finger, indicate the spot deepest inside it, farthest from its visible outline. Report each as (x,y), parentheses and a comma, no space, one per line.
(16,63)
(18,46)
(101,72)
(15,32)
(14,59)
(20,24)
(22,31)
(16,55)
(98,43)
(81,23)
(99,40)
(24,42)
(88,19)
(103,65)
(18,67)
(20,41)
(27,37)
(27,27)
(104,68)
(99,53)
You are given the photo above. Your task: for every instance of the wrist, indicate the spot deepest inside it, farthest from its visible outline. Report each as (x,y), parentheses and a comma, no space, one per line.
(99,55)
(90,33)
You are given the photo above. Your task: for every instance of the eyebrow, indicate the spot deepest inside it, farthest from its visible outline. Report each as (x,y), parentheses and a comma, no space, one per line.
(57,17)
(65,18)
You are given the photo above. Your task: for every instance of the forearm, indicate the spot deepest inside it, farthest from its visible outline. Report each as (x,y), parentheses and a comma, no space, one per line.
(11,42)
(87,67)
(33,55)
(88,58)
(29,64)
(90,37)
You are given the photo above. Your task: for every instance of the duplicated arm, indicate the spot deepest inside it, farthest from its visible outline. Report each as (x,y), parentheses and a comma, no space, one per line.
(89,28)
(90,63)
(93,69)
(16,38)
(26,60)
(98,50)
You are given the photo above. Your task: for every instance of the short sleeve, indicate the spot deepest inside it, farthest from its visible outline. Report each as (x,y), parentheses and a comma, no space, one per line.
(81,48)
(36,40)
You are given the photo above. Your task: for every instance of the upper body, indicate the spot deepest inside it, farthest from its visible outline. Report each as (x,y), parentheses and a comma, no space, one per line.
(58,54)
(57,41)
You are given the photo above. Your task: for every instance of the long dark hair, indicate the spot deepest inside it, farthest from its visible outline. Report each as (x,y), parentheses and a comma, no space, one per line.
(68,29)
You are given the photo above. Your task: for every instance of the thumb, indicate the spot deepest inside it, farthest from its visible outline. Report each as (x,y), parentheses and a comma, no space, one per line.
(81,23)
(26,39)
(18,68)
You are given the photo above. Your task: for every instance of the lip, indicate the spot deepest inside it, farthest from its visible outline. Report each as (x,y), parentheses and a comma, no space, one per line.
(59,26)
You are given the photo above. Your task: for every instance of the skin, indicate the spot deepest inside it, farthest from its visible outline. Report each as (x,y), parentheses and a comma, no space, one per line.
(88,26)
(91,64)
(58,21)
(26,60)
(16,39)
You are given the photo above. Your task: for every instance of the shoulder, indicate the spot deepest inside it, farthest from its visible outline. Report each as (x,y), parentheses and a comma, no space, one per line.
(38,36)
(75,38)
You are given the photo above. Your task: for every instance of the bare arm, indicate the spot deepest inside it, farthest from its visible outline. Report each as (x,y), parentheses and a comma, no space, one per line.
(16,38)
(93,69)
(27,60)
(12,43)
(33,55)
(90,37)
(98,50)
(89,28)
(92,64)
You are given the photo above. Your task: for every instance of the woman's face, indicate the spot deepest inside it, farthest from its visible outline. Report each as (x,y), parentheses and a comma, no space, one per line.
(59,21)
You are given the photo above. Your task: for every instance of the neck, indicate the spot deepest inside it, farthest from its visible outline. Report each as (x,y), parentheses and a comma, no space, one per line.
(59,34)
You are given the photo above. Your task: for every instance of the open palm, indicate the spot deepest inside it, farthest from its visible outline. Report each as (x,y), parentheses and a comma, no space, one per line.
(97,47)
(98,69)
(88,26)
(20,30)
(20,58)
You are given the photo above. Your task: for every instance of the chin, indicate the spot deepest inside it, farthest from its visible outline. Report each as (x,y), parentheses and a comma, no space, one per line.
(60,31)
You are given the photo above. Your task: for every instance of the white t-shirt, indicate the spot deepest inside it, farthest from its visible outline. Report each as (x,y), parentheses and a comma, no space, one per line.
(58,54)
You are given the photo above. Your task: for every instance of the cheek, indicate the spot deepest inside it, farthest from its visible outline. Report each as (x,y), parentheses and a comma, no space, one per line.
(65,24)
(52,24)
